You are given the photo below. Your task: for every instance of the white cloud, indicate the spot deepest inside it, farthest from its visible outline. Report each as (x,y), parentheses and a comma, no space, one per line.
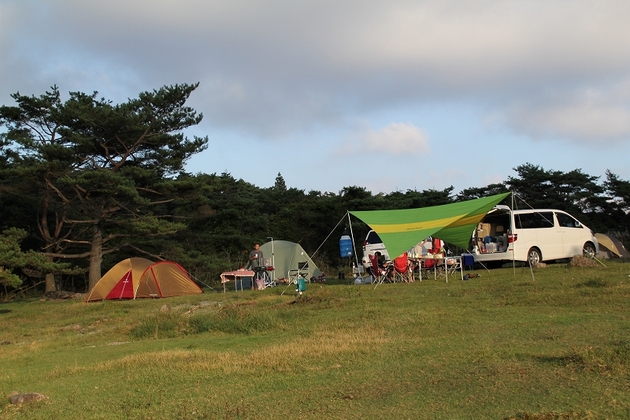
(288,71)
(394,139)
(587,115)
(280,66)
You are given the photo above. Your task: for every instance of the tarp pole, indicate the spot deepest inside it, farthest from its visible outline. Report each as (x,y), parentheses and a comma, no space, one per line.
(513,241)
(356,256)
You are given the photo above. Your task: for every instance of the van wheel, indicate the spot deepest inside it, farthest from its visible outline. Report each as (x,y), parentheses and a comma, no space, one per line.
(534,256)
(589,250)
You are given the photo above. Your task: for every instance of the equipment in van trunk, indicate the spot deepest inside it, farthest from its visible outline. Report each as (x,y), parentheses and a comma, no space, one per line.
(531,236)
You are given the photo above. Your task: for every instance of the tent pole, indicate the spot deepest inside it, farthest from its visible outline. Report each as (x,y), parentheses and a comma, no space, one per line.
(208,286)
(273,261)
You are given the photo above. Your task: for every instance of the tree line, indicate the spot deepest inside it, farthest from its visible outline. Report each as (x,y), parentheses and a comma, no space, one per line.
(85,183)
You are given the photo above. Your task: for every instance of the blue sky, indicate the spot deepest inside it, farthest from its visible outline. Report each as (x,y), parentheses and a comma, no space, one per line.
(383,95)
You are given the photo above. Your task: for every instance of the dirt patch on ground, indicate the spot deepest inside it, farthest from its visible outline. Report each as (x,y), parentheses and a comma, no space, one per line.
(582,261)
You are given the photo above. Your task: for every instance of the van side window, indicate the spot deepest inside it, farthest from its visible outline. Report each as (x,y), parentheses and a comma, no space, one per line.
(534,220)
(567,221)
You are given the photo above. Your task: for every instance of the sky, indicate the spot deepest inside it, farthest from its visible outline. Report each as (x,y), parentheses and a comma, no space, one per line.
(389,96)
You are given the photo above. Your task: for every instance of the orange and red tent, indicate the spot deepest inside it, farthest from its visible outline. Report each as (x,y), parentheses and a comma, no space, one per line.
(140,278)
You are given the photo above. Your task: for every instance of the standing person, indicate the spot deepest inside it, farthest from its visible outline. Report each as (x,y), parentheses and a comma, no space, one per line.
(255,257)
(256,263)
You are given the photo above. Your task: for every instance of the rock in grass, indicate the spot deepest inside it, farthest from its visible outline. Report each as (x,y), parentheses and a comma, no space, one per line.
(18,399)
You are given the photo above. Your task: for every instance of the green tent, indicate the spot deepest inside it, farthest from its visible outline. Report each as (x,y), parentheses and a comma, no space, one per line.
(454,223)
(287,258)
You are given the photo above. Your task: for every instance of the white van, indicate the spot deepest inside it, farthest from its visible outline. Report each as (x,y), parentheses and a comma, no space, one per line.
(531,236)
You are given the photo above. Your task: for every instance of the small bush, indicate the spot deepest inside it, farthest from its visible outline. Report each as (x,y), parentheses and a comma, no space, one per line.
(234,320)
(164,325)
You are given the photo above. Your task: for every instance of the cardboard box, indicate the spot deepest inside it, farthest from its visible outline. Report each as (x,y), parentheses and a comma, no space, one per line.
(483,230)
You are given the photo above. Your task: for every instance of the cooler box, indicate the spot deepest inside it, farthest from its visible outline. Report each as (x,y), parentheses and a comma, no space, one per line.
(468,261)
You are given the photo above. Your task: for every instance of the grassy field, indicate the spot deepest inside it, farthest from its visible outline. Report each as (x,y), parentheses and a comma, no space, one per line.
(505,345)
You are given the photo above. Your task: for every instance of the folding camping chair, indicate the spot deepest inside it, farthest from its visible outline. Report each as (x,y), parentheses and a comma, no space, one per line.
(427,266)
(437,264)
(402,272)
(300,272)
(453,265)
(379,275)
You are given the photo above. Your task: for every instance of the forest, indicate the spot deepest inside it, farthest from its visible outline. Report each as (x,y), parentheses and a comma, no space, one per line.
(85,183)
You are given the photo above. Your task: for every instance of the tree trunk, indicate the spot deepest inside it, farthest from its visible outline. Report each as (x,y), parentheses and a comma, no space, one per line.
(50,283)
(51,286)
(96,256)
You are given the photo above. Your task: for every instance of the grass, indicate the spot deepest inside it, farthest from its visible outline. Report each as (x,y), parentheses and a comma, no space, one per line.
(502,346)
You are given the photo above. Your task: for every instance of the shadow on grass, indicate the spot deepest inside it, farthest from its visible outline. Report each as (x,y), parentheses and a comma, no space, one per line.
(553,415)
(595,283)
(615,357)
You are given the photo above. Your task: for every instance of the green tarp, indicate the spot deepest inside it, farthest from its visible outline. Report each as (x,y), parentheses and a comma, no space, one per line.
(454,223)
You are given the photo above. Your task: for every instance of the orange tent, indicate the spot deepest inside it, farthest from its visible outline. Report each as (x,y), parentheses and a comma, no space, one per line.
(140,278)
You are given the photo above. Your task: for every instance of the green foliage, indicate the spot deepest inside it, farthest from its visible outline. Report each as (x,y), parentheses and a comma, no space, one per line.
(280,185)
(99,168)
(12,259)
(476,192)
(7,278)
(151,225)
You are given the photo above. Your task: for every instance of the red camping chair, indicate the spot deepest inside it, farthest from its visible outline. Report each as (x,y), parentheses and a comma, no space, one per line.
(428,266)
(378,274)
(402,271)
(435,265)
